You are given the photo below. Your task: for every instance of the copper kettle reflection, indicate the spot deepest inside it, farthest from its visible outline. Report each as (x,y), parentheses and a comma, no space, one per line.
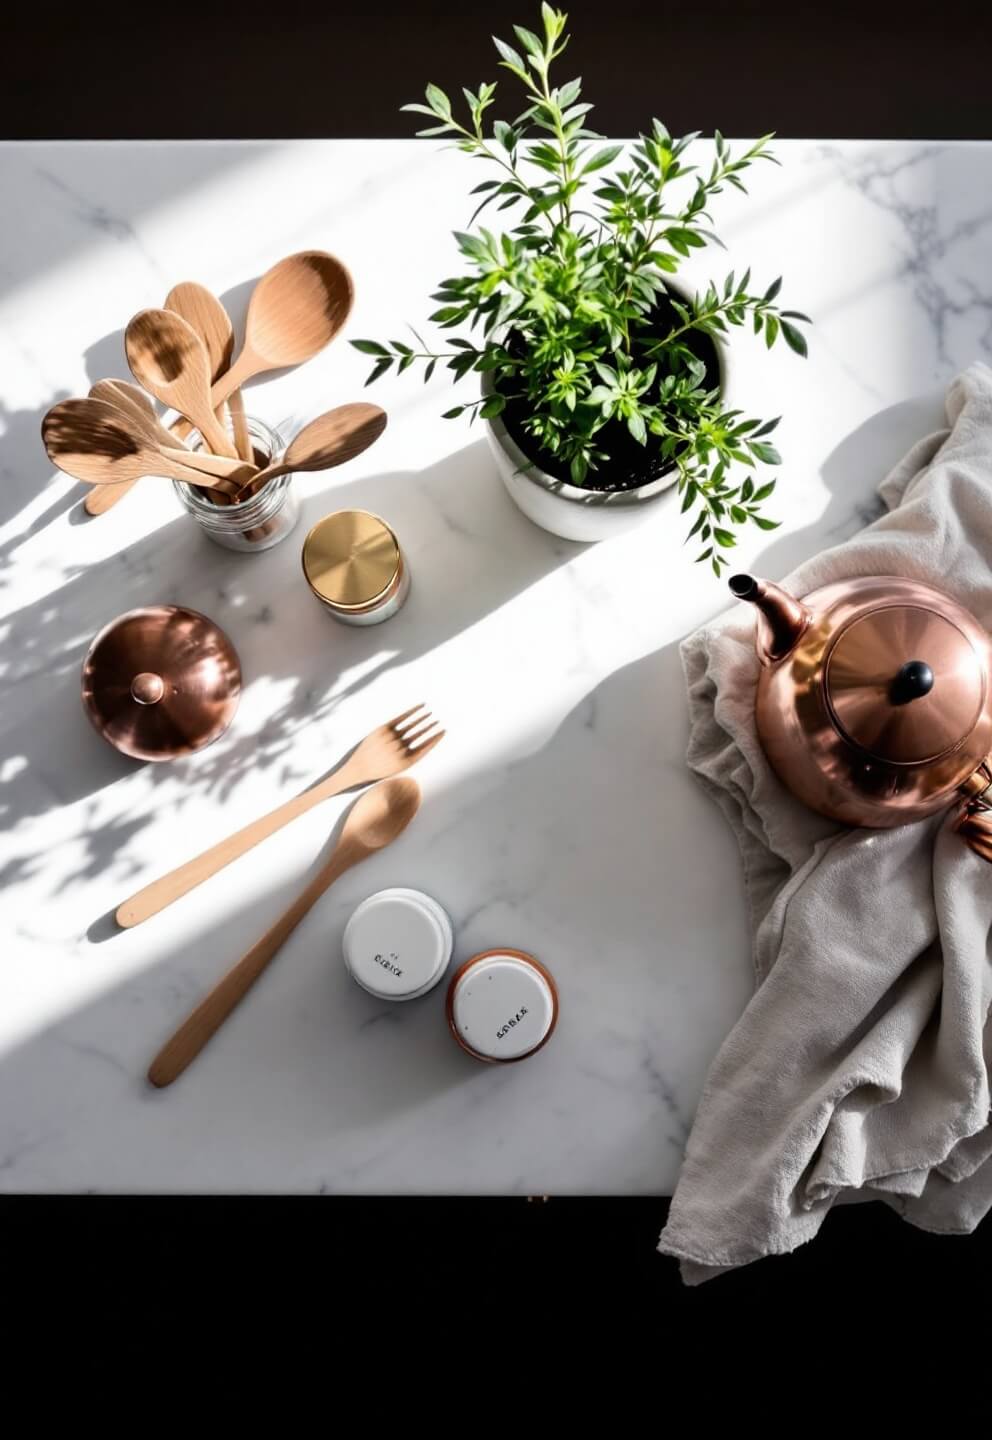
(873,701)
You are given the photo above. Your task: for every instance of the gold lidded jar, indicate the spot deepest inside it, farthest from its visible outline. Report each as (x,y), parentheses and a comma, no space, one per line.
(353,563)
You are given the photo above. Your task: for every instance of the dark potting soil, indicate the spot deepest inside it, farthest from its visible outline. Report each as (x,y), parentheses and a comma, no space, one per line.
(630,464)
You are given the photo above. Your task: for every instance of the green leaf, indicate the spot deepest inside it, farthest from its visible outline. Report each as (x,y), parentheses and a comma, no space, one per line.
(772,291)
(568,94)
(764,524)
(725,538)
(453,414)
(369,347)
(509,55)
(578,469)
(637,427)
(505,134)
(771,330)
(492,406)
(438,101)
(602,158)
(766,453)
(529,41)
(379,369)
(795,339)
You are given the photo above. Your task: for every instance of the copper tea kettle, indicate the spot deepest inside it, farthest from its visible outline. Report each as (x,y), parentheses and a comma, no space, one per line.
(874,702)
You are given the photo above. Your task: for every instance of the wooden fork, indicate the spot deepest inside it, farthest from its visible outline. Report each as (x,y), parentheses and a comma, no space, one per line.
(389,750)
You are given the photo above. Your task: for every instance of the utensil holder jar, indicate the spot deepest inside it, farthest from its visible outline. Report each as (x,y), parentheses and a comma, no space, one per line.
(256,523)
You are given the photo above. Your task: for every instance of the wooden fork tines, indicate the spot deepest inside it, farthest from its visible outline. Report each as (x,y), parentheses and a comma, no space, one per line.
(388,750)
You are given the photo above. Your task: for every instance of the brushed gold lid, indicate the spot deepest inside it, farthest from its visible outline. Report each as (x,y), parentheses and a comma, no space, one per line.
(350,559)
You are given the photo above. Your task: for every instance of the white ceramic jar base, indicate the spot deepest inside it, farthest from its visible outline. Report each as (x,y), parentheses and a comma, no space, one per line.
(397,944)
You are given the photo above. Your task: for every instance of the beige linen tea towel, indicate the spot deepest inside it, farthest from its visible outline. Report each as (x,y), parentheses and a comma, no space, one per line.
(860,1068)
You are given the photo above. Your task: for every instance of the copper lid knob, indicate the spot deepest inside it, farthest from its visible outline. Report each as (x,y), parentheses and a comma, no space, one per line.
(161,682)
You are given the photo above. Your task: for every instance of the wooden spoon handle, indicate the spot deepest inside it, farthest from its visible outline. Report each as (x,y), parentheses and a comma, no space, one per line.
(104,497)
(162,892)
(215,1007)
(216,436)
(239,423)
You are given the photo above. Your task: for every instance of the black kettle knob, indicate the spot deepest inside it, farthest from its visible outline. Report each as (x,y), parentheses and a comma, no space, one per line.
(913,681)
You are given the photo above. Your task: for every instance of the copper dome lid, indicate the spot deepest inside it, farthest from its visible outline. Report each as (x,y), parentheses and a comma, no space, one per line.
(161,682)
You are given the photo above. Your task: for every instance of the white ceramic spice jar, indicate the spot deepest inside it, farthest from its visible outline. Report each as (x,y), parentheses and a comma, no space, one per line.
(502,1005)
(398,943)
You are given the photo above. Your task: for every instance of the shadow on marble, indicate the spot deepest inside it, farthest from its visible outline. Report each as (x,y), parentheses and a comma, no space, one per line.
(281,632)
(334,1090)
(852,473)
(25,470)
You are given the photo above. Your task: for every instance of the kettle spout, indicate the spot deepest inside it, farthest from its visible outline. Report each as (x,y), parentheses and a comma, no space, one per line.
(782,619)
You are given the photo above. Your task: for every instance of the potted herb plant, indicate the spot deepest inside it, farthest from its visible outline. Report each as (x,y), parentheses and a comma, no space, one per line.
(603,384)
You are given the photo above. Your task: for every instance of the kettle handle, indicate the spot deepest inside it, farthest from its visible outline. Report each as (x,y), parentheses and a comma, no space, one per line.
(974,825)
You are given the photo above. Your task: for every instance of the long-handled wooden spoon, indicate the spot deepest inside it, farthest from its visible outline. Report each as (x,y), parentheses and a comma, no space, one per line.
(386,751)
(135,404)
(169,359)
(98,443)
(201,309)
(334,437)
(125,396)
(296,309)
(144,419)
(375,819)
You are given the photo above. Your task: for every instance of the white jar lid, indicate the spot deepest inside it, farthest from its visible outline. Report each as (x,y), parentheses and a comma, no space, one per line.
(502,1005)
(397,944)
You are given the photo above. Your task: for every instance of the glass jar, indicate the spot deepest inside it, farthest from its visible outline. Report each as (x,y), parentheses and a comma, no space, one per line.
(254,524)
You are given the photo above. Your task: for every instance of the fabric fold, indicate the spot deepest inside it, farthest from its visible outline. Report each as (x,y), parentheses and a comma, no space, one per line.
(860,1067)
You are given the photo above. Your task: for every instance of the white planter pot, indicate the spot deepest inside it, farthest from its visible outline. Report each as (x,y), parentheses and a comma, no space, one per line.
(567,510)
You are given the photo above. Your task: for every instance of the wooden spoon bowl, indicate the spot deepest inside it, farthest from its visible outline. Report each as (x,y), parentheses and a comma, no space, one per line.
(295,310)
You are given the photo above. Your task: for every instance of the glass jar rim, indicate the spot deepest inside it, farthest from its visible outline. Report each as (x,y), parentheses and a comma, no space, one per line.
(246,513)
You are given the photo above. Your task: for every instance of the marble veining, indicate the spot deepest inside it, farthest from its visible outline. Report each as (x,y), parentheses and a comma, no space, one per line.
(558,816)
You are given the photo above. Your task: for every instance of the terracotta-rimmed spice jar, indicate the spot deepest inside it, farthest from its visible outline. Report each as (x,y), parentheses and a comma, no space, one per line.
(502,1006)
(353,563)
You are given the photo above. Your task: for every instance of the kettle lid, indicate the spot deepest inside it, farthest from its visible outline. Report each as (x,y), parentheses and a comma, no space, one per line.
(904,684)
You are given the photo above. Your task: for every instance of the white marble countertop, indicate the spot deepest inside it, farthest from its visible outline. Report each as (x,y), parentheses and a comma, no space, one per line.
(558,815)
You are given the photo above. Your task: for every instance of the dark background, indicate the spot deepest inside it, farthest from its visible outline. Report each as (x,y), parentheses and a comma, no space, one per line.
(299,68)
(145,1267)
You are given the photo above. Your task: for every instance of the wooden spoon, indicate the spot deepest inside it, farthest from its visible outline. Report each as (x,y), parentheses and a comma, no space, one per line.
(334,437)
(132,401)
(170,360)
(201,309)
(375,819)
(295,310)
(98,443)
